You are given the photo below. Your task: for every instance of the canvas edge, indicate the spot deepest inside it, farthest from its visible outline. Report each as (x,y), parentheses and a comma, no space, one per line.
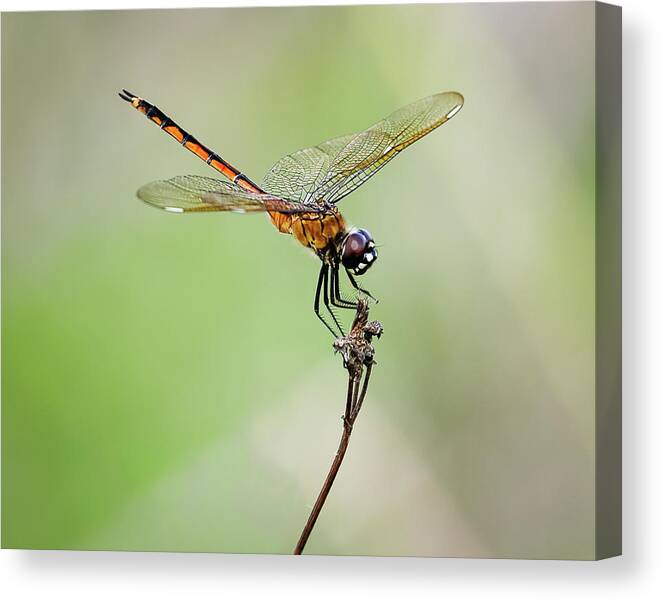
(608,272)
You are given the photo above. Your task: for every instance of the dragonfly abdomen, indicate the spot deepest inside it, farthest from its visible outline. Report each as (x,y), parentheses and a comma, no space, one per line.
(156,115)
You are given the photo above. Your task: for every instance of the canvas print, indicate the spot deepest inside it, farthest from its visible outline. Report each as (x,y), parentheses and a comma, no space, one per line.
(342,353)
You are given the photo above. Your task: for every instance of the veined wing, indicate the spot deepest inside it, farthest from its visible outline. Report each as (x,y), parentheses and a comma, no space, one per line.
(191,193)
(297,175)
(337,167)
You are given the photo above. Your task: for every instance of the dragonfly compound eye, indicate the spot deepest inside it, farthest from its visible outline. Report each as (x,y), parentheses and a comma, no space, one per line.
(358,251)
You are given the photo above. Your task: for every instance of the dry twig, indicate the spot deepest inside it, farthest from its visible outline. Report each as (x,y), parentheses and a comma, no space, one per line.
(358,357)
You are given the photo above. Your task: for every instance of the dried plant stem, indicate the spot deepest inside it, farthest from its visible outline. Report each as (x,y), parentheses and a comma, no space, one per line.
(323,494)
(358,356)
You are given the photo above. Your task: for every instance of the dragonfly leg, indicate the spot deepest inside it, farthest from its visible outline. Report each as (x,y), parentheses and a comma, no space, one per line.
(354,283)
(336,296)
(321,282)
(328,305)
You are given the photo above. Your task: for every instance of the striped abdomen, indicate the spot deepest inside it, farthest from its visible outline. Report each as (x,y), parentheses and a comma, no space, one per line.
(315,230)
(156,115)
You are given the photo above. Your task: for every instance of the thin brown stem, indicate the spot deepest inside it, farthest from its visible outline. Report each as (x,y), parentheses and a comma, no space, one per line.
(358,405)
(330,478)
(349,405)
(358,356)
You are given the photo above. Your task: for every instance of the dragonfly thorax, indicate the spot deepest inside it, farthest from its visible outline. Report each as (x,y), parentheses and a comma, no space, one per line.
(358,251)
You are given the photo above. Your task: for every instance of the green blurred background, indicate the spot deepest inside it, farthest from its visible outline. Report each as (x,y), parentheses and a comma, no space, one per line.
(166,385)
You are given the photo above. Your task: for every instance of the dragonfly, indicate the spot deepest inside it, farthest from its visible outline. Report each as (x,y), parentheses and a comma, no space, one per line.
(301,191)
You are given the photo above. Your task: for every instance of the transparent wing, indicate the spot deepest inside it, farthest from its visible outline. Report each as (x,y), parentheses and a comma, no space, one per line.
(337,167)
(191,193)
(297,175)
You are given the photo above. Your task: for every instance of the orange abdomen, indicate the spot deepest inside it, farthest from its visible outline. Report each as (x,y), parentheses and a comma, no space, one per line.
(313,230)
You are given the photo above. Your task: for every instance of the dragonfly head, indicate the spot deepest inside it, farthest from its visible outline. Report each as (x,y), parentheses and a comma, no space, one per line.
(358,251)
